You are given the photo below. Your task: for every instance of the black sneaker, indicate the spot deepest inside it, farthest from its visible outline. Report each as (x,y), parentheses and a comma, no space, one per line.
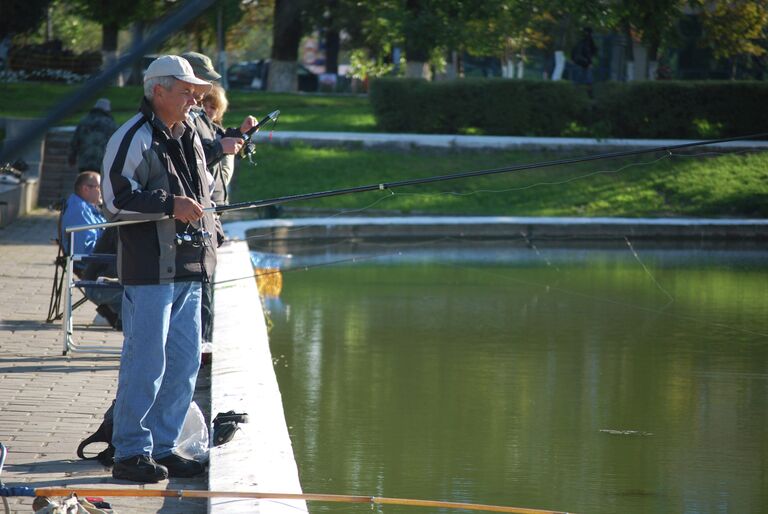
(179,467)
(139,468)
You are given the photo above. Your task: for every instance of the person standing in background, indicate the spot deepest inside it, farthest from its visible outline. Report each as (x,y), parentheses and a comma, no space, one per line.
(218,144)
(86,149)
(215,105)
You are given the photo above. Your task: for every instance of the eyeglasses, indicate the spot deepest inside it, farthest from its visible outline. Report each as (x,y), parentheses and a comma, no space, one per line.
(92,186)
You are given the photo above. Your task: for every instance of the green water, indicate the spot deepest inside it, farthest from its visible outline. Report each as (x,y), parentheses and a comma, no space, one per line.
(588,381)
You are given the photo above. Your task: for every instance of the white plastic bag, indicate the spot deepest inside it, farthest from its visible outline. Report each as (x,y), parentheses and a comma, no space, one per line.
(193,440)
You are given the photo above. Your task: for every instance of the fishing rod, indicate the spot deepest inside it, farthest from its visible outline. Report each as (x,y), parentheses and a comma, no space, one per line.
(334,498)
(249,147)
(383,186)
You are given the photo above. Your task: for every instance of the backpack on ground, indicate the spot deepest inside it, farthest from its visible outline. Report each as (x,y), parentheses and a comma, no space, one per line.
(103,434)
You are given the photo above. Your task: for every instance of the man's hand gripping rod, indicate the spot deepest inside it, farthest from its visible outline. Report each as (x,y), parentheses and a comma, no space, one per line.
(272,116)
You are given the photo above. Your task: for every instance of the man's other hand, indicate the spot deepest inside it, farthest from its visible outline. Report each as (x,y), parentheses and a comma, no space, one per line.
(248,123)
(186,209)
(231,145)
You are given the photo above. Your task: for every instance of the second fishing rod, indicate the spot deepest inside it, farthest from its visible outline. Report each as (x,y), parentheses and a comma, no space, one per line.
(383,186)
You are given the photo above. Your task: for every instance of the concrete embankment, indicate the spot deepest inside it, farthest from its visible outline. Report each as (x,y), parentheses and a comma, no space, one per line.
(500,227)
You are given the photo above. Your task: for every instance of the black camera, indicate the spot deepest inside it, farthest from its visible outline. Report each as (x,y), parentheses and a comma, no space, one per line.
(198,238)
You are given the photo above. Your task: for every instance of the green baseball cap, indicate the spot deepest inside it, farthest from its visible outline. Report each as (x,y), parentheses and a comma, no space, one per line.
(202,65)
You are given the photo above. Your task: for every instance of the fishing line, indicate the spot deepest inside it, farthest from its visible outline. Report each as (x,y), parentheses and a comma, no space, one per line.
(547,288)
(538,184)
(336,215)
(470,174)
(393,194)
(357,258)
(648,272)
(667,156)
(536,249)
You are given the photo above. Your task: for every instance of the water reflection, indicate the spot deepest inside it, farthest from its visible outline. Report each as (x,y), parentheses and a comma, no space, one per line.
(544,377)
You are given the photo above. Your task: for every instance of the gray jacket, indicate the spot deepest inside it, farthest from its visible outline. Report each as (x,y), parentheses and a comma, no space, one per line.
(143,168)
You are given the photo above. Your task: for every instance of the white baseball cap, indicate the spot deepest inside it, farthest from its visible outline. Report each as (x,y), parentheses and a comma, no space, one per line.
(173,66)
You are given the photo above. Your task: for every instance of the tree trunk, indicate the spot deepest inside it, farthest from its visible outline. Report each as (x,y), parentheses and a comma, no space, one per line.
(109,48)
(137,34)
(286,36)
(221,46)
(416,48)
(418,70)
(332,43)
(653,60)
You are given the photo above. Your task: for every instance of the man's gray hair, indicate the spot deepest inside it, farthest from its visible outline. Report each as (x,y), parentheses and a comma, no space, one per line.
(149,85)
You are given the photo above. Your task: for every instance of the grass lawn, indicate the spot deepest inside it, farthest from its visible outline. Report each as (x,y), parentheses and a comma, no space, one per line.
(703,185)
(333,113)
(649,185)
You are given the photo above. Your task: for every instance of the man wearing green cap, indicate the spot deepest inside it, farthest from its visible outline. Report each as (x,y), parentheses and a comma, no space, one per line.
(218,146)
(215,143)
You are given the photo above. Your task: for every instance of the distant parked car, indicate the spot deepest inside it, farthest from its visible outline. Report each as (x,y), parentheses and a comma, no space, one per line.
(247,74)
(253,75)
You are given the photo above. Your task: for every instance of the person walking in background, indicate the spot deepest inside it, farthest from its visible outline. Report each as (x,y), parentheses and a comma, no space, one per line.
(581,55)
(154,167)
(86,150)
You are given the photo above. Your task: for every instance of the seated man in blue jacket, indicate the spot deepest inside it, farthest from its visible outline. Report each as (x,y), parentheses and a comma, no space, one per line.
(82,208)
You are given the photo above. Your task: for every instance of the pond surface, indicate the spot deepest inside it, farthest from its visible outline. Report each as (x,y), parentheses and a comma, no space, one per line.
(619,379)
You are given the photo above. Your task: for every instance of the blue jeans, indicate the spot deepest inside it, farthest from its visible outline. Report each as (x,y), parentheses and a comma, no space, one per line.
(158,367)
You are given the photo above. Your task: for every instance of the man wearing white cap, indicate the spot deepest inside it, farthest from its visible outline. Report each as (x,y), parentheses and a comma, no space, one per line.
(154,167)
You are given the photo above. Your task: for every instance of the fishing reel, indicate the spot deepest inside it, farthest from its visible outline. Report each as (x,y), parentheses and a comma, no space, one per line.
(249,147)
(196,238)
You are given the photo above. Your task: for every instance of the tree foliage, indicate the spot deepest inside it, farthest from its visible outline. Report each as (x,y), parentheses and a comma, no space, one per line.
(201,32)
(735,28)
(21,17)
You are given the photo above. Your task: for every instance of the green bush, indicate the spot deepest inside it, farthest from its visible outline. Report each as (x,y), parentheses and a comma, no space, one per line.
(677,109)
(495,106)
(648,109)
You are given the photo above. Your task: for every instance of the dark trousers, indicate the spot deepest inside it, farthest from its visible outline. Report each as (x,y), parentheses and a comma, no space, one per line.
(206,312)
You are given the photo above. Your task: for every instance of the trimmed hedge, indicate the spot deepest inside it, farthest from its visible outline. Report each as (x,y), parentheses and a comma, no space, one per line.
(491,106)
(678,109)
(652,109)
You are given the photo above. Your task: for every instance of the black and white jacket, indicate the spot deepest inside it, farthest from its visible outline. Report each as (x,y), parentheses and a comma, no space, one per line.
(144,167)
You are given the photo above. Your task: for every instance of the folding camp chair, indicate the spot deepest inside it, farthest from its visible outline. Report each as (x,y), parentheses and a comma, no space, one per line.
(65,280)
(55,311)
(72,282)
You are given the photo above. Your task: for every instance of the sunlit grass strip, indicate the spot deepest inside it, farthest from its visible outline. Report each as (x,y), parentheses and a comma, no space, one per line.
(724,185)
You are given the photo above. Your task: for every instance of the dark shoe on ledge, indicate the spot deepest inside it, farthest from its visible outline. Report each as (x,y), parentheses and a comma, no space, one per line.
(139,468)
(179,467)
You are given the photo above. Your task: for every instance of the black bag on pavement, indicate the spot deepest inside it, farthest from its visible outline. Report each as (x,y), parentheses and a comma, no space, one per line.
(103,434)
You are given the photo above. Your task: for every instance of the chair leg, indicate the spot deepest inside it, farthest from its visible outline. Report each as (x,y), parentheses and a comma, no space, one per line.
(54,305)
